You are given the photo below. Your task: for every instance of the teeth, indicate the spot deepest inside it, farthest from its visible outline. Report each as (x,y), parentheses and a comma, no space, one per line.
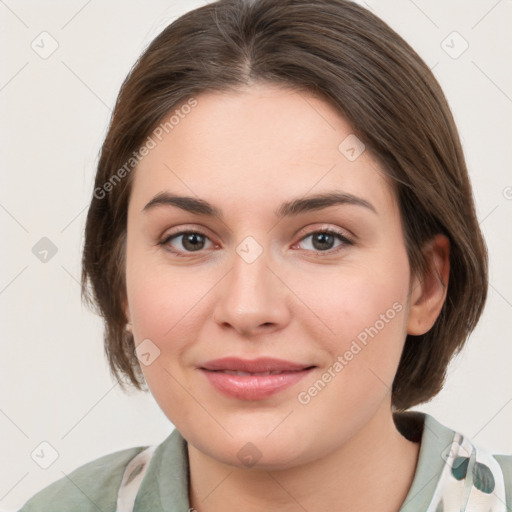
(237,372)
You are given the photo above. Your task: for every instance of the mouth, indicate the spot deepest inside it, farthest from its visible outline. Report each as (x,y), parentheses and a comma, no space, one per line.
(256,379)
(262,365)
(241,373)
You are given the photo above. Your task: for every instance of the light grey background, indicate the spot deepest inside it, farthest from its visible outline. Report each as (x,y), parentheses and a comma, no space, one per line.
(54,111)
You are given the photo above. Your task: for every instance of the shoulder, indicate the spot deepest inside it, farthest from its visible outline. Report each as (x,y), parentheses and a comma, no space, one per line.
(505,462)
(90,487)
(459,462)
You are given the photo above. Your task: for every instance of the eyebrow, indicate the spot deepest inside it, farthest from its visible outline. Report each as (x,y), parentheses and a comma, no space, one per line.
(289,208)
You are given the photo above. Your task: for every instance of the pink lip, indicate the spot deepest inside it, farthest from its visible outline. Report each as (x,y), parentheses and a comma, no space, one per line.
(253,387)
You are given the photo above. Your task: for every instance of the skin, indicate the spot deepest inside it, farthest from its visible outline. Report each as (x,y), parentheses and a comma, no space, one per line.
(246,153)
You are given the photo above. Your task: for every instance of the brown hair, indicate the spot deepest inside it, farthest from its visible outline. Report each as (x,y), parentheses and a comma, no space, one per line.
(342,52)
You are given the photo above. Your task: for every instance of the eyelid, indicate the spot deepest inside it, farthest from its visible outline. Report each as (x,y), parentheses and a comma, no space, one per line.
(184,229)
(307,231)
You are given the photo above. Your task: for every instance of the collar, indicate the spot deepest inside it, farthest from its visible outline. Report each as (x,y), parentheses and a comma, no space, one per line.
(166,485)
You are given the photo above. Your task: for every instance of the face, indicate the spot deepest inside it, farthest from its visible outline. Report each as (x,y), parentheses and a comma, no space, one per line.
(322,285)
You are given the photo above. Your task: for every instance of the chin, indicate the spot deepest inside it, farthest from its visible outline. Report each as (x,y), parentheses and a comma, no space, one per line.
(252,452)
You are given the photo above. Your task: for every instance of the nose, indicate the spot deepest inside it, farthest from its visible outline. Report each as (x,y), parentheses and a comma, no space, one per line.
(253,298)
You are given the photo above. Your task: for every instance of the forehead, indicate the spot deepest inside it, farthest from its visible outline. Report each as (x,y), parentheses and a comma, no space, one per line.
(259,145)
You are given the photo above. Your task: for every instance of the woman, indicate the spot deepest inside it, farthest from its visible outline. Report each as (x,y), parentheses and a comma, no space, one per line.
(283,244)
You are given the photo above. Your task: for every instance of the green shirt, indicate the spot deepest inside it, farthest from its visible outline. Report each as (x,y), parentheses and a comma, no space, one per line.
(94,486)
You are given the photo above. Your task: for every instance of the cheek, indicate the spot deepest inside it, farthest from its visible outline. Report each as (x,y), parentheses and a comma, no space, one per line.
(363,315)
(368,320)
(160,298)
(352,300)
(149,304)
(164,308)
(168,307)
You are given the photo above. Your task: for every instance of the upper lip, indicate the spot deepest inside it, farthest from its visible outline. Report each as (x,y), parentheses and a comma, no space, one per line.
(263,364)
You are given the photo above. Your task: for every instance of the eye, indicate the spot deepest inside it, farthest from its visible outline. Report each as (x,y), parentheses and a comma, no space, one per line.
(194,241)
(323,240)
(191,241)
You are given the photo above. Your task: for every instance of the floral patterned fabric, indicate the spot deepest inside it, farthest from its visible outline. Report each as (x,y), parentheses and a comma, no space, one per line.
(471,481)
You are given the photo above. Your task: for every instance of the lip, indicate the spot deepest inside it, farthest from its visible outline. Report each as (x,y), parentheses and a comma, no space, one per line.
(253,387)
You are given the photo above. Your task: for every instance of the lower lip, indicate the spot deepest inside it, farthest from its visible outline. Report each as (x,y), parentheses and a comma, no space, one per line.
(253,387)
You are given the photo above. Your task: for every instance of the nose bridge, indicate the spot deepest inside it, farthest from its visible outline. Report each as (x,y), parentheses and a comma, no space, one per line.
(251,296)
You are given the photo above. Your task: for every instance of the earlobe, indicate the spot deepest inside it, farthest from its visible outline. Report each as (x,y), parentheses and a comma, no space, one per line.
(428,292)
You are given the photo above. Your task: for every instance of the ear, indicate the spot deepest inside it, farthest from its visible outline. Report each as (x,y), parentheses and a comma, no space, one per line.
(428,292)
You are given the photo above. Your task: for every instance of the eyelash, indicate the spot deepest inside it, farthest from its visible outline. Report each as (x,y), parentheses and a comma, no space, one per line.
(339,235)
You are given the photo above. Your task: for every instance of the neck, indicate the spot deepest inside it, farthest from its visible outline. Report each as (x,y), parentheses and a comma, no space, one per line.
(372,471)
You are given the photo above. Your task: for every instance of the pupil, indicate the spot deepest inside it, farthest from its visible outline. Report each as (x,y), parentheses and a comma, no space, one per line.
(192,239)
(324,239)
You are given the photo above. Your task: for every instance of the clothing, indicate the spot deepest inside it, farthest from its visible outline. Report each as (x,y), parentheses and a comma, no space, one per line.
(452,474)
